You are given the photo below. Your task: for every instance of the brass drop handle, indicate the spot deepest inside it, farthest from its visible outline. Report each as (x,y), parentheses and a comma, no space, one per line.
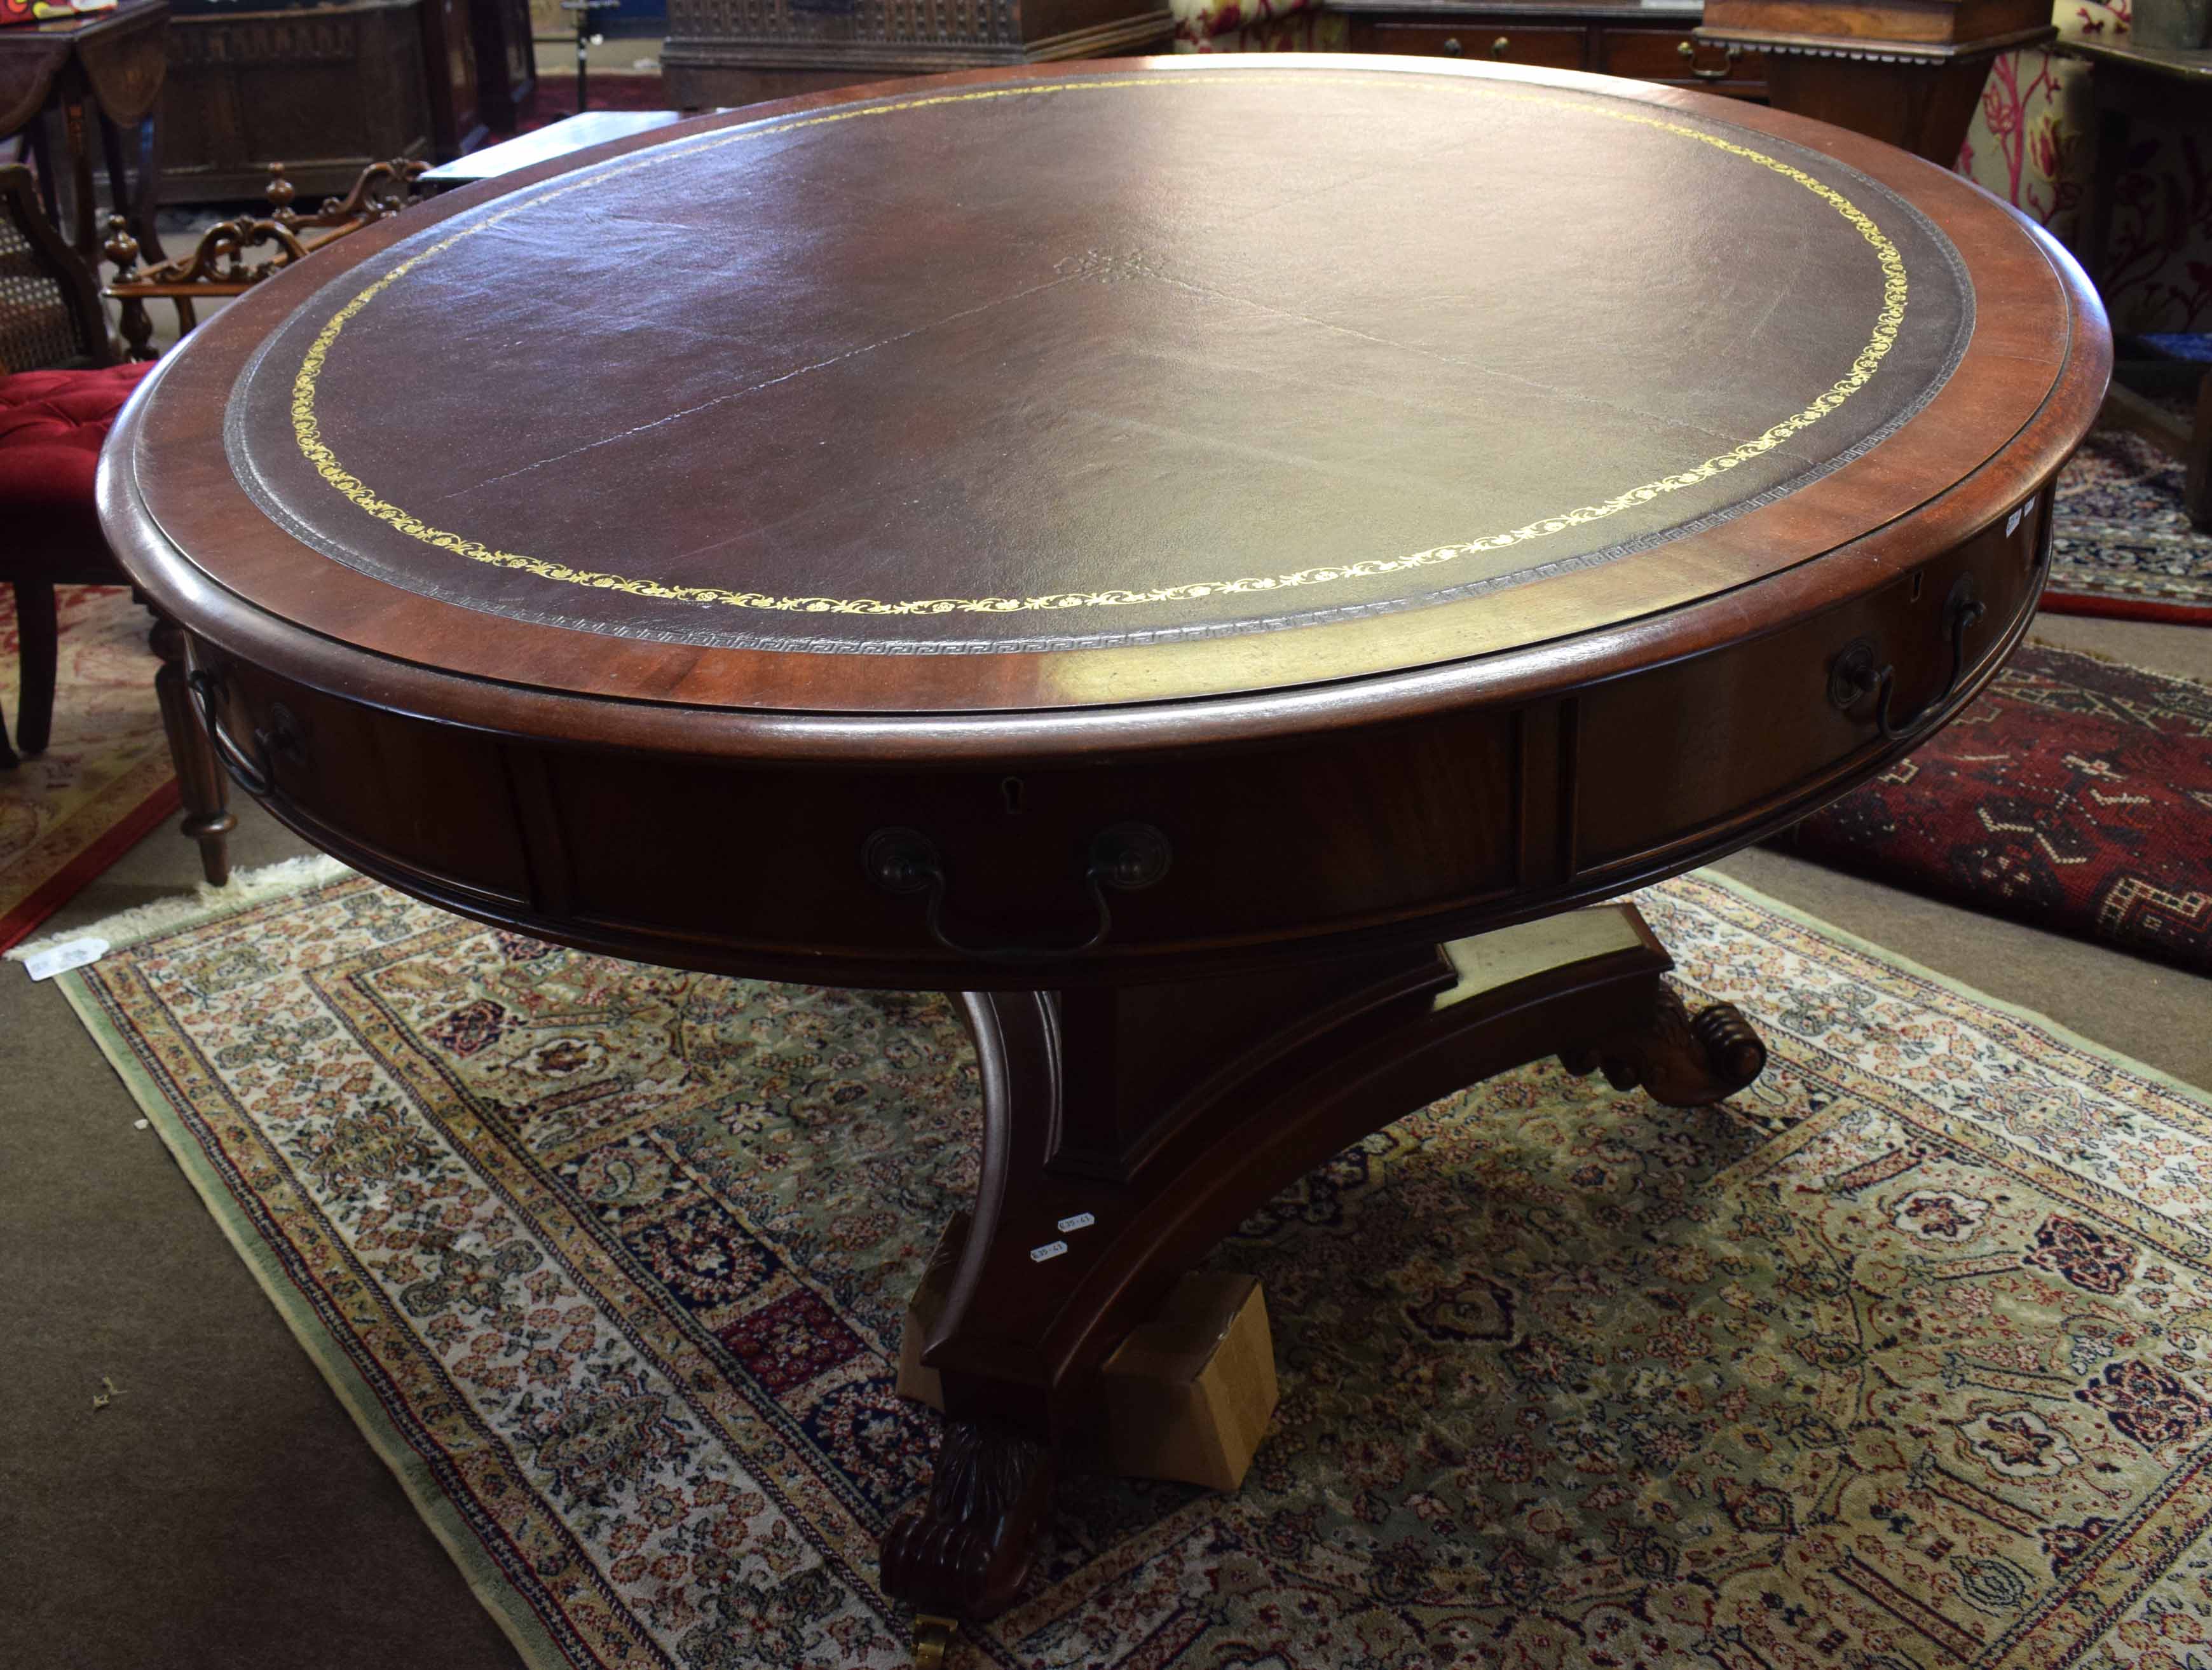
(249,771)
(1853,676)
(1497,47)
(1126,857)
(1689,52)
(1452,48)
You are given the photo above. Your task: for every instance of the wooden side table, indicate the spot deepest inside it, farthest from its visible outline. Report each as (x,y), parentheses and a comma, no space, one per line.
(113,62)
(2130,83)
(1898,70)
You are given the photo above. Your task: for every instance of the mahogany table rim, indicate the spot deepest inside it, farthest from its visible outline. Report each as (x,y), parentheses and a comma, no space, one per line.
(1039,737)
(1171,962)
(669,711)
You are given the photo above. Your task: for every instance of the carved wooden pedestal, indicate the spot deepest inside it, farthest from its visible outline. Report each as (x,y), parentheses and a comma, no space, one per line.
(1127,1130)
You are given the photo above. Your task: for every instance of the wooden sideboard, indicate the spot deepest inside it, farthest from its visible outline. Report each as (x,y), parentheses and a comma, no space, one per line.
(1909,72)
(1648,42)
(740,51)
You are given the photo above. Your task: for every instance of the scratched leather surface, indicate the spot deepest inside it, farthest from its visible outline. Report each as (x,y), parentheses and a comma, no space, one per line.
(1125,360)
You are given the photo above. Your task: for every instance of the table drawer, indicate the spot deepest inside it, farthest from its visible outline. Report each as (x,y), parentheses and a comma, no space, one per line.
(1671,55)
(1501,41)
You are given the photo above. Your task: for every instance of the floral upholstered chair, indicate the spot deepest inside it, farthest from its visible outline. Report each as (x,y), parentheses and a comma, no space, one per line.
(2031,144)
(1258,26)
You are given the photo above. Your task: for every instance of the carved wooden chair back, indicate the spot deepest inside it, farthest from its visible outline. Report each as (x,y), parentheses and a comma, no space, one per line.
(233,255)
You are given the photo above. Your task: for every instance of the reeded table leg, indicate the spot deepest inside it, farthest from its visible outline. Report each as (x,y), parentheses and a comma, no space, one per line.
(207,816)
(1125,1131)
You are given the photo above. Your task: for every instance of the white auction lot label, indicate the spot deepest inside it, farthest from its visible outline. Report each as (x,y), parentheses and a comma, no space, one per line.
(60,959)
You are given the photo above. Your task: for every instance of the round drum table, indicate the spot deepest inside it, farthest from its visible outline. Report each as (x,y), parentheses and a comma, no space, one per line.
(1210,560)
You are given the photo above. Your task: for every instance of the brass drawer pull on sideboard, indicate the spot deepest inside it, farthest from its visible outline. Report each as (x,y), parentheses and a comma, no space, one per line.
(1126,856)
(1497,47)
(250,772)
(1852,675)
(1452,49)
(1689,53)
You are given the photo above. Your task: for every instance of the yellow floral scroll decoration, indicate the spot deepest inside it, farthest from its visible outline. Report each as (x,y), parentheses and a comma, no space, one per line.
(308,429)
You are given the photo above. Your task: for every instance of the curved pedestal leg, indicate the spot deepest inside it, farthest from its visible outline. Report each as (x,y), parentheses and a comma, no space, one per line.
(208,817)
(1127,1130)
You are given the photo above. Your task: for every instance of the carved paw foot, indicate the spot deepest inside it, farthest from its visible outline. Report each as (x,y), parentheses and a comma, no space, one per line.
(1680,1059)
(966,1549)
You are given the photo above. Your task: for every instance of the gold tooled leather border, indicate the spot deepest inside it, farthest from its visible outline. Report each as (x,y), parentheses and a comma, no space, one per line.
(307,430)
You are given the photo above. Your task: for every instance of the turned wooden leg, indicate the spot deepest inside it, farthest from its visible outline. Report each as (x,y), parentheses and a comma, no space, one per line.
(39,635)
(1681,1060)
(208,817)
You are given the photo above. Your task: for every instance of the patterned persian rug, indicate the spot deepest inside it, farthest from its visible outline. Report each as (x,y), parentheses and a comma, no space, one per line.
(2123,545)
(2074,795)
(104,780)
(1903,1360)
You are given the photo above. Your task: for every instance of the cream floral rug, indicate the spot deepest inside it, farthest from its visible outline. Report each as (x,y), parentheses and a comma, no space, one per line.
(1902,1360)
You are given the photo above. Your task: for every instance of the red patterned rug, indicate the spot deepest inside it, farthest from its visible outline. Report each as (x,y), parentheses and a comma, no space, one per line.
(2076,795)
(104,780)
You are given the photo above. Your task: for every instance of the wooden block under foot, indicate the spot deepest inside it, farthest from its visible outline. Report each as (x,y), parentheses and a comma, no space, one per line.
(1187,1396)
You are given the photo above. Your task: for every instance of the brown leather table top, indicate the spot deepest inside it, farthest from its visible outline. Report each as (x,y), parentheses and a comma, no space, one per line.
(1080,362)
(1041,390)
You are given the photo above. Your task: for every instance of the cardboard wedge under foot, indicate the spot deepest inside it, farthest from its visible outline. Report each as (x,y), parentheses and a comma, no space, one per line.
(1188,1394)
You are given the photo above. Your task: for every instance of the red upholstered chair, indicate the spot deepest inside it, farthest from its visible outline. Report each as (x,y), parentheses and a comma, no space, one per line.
(53,421)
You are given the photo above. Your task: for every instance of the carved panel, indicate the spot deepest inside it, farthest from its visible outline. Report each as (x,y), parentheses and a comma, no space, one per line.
(326,92)
(931,24)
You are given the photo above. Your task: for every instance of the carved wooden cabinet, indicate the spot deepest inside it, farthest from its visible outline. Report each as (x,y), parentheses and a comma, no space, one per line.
(449,60)
(507,62)
(740,51)
(1648,42)
(326,90)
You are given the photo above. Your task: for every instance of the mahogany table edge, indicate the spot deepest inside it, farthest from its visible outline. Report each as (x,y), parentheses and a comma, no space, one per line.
(1959,508)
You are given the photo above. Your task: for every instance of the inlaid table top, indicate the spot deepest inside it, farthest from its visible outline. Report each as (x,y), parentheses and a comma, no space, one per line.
(1153,379)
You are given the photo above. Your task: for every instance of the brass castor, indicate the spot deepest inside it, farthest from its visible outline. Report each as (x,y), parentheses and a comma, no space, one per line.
(933,1641)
